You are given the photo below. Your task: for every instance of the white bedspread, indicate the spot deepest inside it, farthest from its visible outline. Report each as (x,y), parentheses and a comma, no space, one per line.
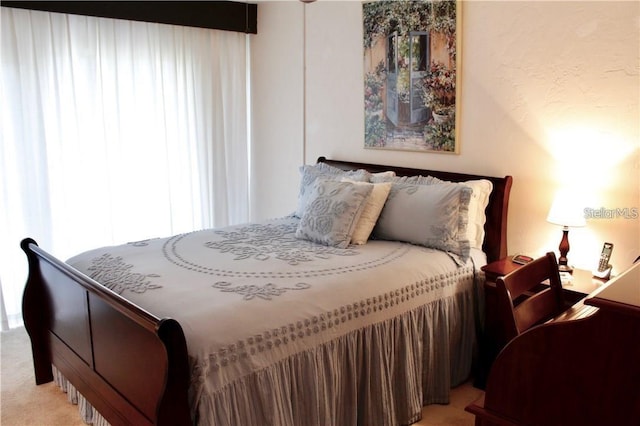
(252,296)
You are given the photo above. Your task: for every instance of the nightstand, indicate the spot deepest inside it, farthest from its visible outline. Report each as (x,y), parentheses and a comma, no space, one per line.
(580,284)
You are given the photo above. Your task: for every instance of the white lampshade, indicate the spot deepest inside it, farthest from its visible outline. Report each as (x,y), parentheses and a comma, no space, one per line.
(567,210)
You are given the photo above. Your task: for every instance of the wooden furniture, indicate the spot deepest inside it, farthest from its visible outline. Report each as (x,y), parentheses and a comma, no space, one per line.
(580,369)
(515,318)
(96,338)
(581,284)
(493,337)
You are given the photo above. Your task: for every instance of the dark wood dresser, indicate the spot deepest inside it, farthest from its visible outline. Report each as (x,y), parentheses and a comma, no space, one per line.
(581,369)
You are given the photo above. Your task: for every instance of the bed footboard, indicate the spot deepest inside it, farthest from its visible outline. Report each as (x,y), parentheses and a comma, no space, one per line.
(130,365)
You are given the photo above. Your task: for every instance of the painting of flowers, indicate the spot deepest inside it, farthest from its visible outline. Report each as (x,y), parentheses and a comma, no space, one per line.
(410,74)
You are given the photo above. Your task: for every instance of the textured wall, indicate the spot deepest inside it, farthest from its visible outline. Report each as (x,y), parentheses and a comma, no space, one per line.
(550,94)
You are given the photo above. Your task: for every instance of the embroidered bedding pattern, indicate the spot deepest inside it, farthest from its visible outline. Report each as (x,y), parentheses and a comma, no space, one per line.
(332,319)
(113,273)
(266,291)
(250,297)
(265,241)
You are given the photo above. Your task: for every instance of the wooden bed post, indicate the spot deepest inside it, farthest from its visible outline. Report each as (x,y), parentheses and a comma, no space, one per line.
(36,316)
(174,406)
(131,366)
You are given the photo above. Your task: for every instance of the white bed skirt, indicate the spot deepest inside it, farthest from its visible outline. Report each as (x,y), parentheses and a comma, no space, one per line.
(378,375)
(88,414)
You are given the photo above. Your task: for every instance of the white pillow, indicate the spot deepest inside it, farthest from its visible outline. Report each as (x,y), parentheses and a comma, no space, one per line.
(430,215)
(370,212)
(382,176)
(477,205)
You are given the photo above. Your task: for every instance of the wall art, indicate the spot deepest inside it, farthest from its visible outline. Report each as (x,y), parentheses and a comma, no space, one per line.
(411,75)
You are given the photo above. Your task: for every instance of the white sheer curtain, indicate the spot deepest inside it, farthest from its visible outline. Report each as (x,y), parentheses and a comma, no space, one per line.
(115,131)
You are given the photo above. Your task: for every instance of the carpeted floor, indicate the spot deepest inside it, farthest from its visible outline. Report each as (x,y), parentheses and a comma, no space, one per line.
(23,403)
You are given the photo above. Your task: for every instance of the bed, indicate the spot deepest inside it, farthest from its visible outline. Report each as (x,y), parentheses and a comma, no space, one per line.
(319,332)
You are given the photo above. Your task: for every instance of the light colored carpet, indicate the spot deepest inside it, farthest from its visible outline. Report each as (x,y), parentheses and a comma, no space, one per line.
(23,403)
(452,414)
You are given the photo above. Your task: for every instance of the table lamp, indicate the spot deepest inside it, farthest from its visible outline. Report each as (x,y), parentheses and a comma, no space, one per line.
(566,211)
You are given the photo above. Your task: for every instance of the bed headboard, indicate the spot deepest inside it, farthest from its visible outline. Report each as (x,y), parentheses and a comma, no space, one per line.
(495,240)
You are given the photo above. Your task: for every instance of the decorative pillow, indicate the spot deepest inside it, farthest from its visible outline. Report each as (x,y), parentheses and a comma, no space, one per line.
(332,212)
(309,174)
(370,212)
(430,215)
(382,176)
(477,205)
(417,180)
(423,180)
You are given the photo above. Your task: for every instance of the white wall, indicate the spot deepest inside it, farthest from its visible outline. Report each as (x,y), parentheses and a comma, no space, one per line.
(277,113)
(550,94)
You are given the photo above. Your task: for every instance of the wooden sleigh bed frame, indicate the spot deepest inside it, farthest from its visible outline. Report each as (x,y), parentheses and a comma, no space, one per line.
(95,337)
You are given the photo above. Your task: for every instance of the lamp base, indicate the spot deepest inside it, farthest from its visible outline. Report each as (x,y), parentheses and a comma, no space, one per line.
(564,249)
(565,268)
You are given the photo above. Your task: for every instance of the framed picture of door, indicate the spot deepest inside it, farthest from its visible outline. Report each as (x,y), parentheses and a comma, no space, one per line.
(411,75)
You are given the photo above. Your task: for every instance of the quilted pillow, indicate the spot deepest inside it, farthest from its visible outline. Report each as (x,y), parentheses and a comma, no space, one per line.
(332,212)
(477,204)
(430,215)
(370,212)
(417,180)
(309,174)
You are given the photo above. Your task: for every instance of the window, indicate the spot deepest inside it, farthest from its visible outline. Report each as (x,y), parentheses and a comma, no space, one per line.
(115,131)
